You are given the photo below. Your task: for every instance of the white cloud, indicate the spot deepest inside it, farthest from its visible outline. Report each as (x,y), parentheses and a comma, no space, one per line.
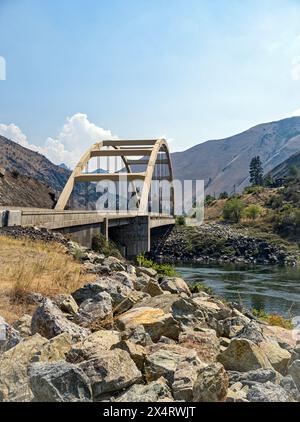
(14,133)
(296,68)
(77,135)
(295,113)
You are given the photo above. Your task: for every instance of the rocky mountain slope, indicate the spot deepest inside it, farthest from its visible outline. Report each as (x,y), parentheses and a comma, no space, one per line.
(282,170)
(15,158)
(224,163)
(24,191)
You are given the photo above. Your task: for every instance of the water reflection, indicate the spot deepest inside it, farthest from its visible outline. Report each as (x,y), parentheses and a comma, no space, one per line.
(272,289)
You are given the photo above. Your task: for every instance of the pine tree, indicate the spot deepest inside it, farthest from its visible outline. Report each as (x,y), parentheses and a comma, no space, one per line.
(256,171)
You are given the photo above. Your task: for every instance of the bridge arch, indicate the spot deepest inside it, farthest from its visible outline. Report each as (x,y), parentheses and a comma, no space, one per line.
(143,160)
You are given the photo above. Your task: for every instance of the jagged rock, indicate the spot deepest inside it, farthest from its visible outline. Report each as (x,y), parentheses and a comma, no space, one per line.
(66,303)
(141,282)
(166,340)
(93,345)
(185,376)
(224,342)
(278,357)
(155,321)
(131,269)
(280,334)
(237,393)
(54,350)
(211,384)
(253,332)
(294,371)
(93,311)
(125,279)
(9,337)
(155,391)
(110,285)
(230,327)
(135,351)
(59,382)
(113,371)
(175,285)
(115,264)
(137,335)
(148,271)
(267,392)
(204,341)
(23,325)
(49,321)
(243,355)
(164,359)
(288,384)
(163,302)
(153,288)
(250,377)
(13,369)
(133,298)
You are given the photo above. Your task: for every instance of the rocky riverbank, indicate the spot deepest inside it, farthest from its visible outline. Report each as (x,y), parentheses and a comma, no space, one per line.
(221,243)
(132,335)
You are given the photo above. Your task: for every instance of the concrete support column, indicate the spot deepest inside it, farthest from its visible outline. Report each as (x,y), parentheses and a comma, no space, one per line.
(134,237)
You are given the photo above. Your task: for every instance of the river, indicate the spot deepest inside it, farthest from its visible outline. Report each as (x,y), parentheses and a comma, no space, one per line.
(268,288)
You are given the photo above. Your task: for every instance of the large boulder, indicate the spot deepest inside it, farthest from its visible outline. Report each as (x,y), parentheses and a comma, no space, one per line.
(164,360)
(185,376)
(9,337)
(243,355)
(126,304)
(252,331)
(113,371)
(114,264)
(230,327)
(257,375)
(278,357)
(267,392)
(289,385)
(49,321)
(148,271)
(204,341)
(13,369)
(279,334)
(153,288)
(93,345)
(59,382)
(175,285)
(135,351)
(92,312)
(211,384)
(294,371)
(54,350)
(155,321)
(66,303)
(23,325)
(155,391)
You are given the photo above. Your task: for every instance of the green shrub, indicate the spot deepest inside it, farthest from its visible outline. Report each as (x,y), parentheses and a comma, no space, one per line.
(180,220)
(107,247)
(253,211)
(162,269)
(273,319)
(200,287)
(233,210)
(223,195)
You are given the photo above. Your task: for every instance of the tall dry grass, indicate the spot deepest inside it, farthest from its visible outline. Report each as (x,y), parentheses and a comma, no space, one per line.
(33,266)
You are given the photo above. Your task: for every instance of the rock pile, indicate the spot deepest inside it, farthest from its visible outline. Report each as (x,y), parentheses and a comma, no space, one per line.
(132,336)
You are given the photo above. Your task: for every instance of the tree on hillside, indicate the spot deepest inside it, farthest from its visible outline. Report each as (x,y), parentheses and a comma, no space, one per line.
(256,172)
(233,210)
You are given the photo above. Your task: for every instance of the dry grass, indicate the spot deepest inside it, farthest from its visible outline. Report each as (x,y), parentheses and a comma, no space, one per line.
(31,266)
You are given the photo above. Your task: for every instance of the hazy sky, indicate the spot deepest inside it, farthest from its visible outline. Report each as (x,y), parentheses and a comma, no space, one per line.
(189,70)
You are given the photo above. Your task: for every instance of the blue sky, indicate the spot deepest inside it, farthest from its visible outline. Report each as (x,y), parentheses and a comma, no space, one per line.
(189,70)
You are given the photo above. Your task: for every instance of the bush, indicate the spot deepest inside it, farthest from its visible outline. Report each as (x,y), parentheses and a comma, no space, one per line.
(273,319)
(233,210)
(209,199)
(252,190)
(253,211)
(107,247)
(162,269)
(180,220)
(200,287)
(223,195)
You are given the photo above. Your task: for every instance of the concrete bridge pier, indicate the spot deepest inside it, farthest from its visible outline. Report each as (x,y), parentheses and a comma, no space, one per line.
(132,238)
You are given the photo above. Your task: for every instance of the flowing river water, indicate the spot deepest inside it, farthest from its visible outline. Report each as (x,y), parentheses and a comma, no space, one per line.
(268,288)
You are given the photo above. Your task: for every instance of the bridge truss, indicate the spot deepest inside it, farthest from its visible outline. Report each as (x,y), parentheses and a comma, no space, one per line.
(144,164)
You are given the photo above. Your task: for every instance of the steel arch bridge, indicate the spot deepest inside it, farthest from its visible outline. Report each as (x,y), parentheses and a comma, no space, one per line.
(140,162)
